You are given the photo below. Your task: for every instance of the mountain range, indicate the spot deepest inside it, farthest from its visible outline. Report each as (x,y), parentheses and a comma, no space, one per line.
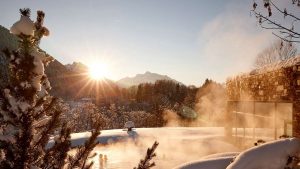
(126,82)
(147,77)
(71,81)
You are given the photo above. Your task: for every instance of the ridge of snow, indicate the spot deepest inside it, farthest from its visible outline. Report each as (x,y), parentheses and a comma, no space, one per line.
(272,155)
(214,163)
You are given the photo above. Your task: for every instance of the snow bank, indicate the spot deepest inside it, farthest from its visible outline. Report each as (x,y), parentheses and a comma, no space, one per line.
(106,137)
(221,155)
(215,163)
(171,133)
(272,155)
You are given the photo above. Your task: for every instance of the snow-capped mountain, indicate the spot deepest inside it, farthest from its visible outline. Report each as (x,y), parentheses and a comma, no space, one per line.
(77,67)
(147,77)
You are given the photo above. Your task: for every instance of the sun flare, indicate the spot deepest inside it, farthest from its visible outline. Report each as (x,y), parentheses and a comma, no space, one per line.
(98,71)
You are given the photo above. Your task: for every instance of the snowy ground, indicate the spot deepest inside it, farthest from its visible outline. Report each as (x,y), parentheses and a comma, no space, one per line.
(177,145)
(215,161)
(271,155)
(276,154)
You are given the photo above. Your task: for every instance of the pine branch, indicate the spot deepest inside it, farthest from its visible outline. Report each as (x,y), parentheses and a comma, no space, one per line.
(8,148)
(79,160)
(146,162)
(39,19)
(56,155)
(24,139)
(47,108)
(48,128)
(40,30)
(25,11)
(27,117)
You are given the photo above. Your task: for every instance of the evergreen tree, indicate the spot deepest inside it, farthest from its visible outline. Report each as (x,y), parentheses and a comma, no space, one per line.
(28,114)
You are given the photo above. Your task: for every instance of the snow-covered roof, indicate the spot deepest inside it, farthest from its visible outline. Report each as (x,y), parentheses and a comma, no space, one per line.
(278,65)
(271,67)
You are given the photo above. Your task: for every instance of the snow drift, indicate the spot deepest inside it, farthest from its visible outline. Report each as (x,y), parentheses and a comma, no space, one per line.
(272,155)
(215,161)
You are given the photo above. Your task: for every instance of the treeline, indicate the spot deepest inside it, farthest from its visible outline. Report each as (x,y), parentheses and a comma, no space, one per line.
(161,93)
(166,93)
(149,96)
(146,104)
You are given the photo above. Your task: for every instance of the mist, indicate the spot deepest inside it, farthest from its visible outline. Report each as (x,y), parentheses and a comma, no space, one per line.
(176,146)
(232,41)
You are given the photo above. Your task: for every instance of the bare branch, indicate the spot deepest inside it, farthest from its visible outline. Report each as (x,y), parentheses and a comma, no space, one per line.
(276,24)
(285,13)
(284,39)
(286,33)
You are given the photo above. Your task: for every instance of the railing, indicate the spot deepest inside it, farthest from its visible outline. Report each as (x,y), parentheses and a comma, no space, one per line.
(248,122)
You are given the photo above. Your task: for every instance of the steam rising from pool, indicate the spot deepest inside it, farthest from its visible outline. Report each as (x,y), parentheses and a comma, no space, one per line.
(176,146)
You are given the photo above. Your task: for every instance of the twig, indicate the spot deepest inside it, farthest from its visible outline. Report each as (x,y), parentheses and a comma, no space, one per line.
(145,163)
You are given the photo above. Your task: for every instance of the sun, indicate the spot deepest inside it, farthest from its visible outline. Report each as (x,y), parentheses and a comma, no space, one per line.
(98,71)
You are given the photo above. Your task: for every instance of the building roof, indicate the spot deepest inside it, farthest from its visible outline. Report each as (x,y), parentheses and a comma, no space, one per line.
(271,67)
(277,65)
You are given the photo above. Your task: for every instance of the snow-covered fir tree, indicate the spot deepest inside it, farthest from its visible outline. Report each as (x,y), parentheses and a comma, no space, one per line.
(29,116)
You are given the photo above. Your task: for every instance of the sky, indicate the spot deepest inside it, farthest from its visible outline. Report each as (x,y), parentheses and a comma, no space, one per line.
(188,40)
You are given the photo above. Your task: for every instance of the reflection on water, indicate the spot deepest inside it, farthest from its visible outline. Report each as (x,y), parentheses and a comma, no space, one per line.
(102,161)
(127,155)
(115,156)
